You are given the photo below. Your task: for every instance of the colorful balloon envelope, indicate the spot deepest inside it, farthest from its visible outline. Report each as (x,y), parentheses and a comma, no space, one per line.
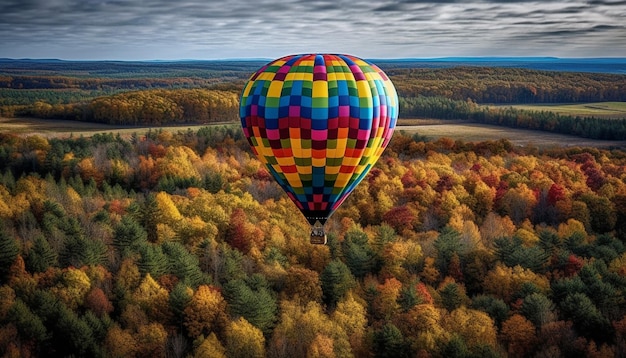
(319,122)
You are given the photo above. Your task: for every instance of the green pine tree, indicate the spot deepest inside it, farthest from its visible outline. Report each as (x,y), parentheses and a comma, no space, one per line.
(9,250)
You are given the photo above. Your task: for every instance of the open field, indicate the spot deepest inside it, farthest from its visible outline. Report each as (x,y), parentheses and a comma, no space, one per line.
(599,109)
(431,128)
(65,128)
(475,132)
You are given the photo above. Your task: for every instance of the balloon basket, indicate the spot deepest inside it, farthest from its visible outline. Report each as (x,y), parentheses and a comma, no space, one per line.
(318,235)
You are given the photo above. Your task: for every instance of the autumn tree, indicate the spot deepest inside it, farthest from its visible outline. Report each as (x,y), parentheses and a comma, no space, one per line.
(518,335)
(151,340)
(385,303)
(98,302)
(350,315)
(241,234)
(205,312)
(503,282)
(601,212)
(244,340)
(298,327)
(210,347)
(72,287)
(153,299)
(302,284)
(475,327)
(120,342)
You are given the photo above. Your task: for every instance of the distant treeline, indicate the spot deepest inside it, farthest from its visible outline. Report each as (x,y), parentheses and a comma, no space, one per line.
(148,107)
(480,84)
(104,84)
(129,69)
(450,93)
(509,85)
(445,108)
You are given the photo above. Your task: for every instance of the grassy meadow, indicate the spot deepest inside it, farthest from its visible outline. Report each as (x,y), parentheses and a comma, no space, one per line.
(607,110)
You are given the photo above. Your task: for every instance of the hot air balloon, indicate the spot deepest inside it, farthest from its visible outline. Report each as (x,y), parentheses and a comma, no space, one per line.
(319,122)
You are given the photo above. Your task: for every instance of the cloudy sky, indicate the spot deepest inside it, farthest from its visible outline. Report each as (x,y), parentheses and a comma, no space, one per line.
(209,29)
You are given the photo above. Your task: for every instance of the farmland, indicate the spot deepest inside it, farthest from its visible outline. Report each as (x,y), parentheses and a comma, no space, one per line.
(606,110)
(432,129)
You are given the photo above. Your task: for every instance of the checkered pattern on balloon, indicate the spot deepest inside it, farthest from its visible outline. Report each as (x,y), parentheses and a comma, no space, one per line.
(319,122)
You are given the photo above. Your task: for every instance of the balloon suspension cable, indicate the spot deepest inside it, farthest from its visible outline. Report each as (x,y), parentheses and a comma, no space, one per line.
(318,235)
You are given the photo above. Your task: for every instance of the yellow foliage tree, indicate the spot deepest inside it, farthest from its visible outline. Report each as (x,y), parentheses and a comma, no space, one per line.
(128,277)
(205,312)
(518,202)
(87,169)
(430,274)
(151,340)
(244,340)
(298,328)
(120,343)
(527,236)
(210,347)
(153,299)
(351,316)
(193,231)
(475,327)
(571,227)
(5,210)
(167,211)
(495,226)
(74,286)
(179,161)
(394,255)
(504,282)
(422,327)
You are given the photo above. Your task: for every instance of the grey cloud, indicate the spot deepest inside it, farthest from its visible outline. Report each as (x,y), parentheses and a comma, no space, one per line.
(241,28)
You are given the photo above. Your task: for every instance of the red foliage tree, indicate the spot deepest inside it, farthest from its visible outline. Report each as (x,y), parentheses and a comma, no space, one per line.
(98,302)
(556,193)
(400,218)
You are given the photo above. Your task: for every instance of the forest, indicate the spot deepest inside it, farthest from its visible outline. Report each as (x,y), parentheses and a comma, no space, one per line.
(200,93)
(180,244)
